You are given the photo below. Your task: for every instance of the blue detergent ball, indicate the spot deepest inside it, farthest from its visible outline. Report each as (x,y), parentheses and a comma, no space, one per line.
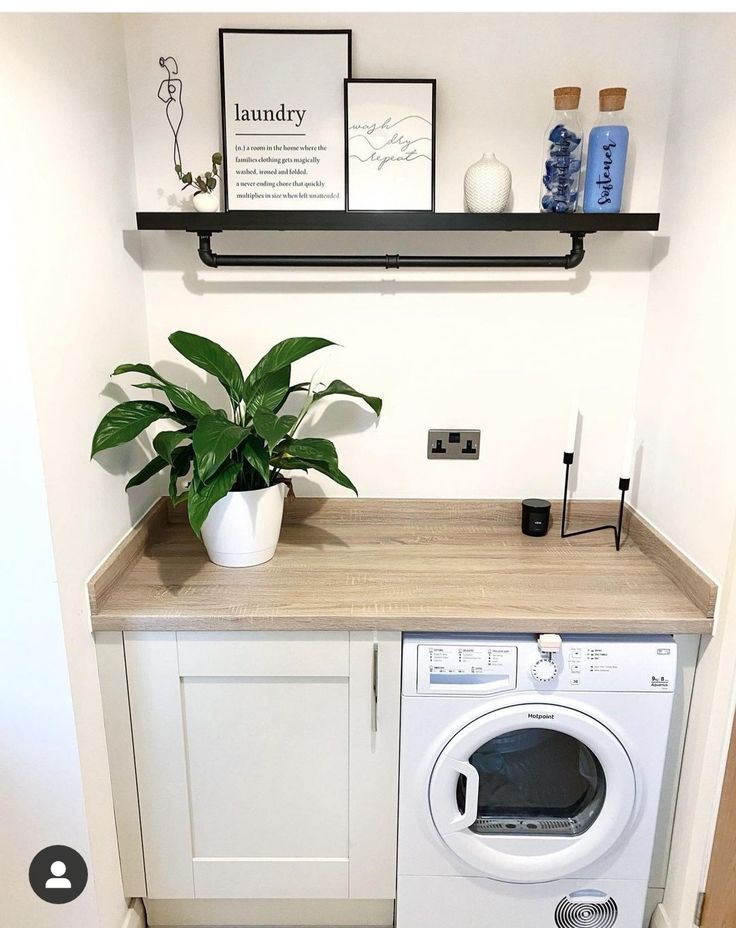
(558,134)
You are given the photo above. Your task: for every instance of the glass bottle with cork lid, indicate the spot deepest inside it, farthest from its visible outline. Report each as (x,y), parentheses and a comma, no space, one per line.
(607,147)
(563,152)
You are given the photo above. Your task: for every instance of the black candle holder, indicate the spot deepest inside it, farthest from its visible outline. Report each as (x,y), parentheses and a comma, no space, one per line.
(623,484)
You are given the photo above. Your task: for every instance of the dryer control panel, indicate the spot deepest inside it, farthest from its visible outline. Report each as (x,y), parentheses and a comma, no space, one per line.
(465,669)
(604,665)
(483,665)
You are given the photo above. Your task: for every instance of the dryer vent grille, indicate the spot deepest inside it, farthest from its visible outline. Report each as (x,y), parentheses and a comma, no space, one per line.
(586,910)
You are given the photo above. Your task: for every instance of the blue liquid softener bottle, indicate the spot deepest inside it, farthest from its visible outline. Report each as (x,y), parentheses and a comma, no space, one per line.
(607,146)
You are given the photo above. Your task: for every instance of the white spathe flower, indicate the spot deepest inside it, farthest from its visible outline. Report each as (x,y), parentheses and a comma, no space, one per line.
(318,377)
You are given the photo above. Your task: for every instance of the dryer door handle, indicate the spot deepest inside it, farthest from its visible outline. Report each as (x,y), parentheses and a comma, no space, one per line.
(472,786)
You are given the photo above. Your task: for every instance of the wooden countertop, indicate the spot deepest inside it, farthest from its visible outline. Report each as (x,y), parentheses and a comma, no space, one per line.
(435,565)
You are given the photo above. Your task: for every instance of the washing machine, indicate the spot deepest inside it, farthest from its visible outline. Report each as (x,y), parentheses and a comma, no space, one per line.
(530,775)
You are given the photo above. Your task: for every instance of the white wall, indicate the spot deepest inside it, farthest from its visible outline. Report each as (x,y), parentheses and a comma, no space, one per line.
(500,351)
(67,129)
(686,398)
(685,408)
(40,778)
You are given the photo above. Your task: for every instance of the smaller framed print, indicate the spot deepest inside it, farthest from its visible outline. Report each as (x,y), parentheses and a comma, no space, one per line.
(283,124)
(390,144)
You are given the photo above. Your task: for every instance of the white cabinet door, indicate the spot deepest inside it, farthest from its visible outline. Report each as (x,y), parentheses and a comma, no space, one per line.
(264,769)
(375,700)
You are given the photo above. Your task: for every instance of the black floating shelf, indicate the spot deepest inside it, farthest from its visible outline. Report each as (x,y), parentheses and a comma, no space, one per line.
(328,221)
(577,225)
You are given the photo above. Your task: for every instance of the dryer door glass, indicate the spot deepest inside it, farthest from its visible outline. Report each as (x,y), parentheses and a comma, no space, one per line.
(535,781)
(533,770)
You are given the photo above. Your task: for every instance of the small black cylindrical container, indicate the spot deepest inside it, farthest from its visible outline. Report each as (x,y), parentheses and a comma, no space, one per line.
(535,516)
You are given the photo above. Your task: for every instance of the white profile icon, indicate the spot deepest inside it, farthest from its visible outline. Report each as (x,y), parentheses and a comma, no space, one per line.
(58,880)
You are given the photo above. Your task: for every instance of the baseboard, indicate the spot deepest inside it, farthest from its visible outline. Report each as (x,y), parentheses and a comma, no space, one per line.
(660,919)
(249,913)
(135,917)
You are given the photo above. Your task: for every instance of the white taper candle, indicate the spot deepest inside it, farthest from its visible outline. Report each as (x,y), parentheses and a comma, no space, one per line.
(572,428)
(627,462)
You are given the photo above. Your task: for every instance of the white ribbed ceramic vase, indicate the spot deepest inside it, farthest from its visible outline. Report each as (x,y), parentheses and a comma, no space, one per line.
(487,186)
(206,202)
(242,529)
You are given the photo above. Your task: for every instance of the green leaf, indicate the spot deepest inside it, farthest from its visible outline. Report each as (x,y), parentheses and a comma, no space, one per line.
(203,496)
(256,454)
(181,461)
(181,398)
(145,473)
(334,473)
(323,467)
(317,453)
(340,388)
(309,449)
(125,422)
(165,442)
(217,158)
(272,427)
(270,391)
(282,355)
(213,440)
(186,419)
(212,358)
(138,369)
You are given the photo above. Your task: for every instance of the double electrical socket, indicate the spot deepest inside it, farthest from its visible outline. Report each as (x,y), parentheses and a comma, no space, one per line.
(453,444)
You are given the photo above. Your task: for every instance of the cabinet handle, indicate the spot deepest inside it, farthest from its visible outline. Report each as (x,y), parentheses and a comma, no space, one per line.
(374,689)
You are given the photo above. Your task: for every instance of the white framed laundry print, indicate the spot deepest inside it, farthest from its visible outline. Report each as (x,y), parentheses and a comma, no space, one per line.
(390,144)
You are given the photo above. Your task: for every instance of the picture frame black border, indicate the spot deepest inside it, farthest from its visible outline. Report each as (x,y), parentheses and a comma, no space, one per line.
(348,33)
(391,80)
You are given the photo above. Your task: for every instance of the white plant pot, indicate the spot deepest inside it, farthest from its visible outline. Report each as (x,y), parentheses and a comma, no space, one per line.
(242,529)
(206,202)
(487,186)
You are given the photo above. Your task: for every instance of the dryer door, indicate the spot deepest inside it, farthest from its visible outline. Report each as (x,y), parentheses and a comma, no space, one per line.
(532,793)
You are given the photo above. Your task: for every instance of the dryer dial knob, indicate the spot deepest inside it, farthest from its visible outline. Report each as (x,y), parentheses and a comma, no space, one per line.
(544,670)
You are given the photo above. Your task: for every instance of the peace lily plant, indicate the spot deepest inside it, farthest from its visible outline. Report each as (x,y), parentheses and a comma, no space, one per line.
(230,466)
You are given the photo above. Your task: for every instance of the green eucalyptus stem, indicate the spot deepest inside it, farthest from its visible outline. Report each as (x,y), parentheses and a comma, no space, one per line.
(201,183)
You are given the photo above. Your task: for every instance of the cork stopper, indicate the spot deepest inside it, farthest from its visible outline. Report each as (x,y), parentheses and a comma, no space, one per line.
(567,98)
(612,99)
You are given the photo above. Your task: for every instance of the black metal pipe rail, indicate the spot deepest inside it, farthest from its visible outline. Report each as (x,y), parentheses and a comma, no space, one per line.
(571,260)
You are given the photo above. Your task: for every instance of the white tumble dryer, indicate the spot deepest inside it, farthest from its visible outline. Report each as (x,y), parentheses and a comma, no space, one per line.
(530,779)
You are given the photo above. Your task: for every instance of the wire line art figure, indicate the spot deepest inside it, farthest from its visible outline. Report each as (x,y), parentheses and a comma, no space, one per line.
(169,92)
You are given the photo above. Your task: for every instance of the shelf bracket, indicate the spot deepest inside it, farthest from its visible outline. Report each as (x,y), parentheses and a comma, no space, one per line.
(394,262)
